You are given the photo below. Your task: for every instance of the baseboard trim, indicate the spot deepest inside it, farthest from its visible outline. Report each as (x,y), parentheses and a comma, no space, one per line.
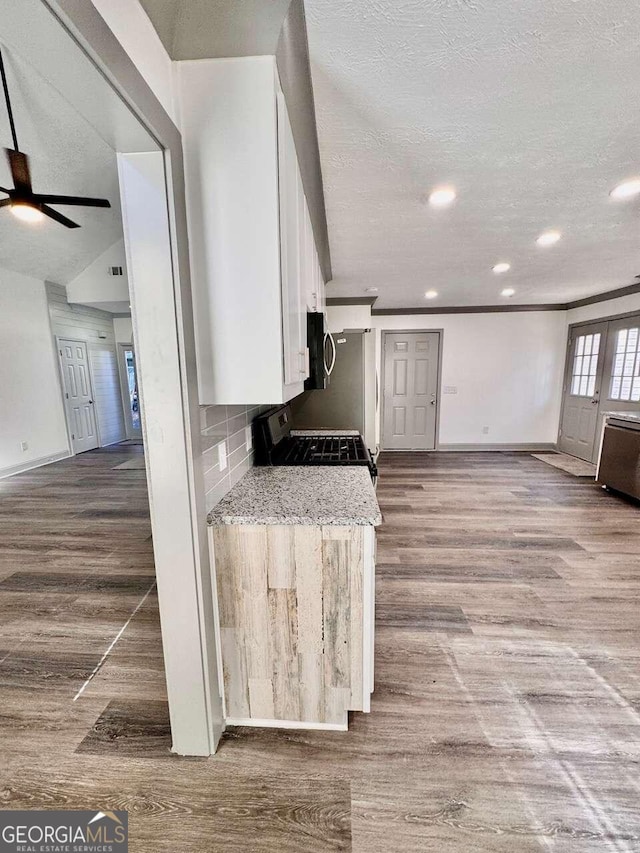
(34,463)
(289,724)
(528,447)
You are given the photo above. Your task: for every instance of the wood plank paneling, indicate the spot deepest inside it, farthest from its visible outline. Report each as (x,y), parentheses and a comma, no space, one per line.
(291,617)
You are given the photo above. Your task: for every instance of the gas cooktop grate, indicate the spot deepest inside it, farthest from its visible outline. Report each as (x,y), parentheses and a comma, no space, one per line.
(323,450)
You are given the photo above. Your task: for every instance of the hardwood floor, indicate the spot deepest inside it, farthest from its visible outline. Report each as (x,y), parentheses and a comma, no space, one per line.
(506,715)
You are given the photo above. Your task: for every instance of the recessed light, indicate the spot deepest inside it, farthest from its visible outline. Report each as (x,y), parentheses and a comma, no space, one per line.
(548,238)
(371,290)
(442,196)
(502,267)
(508,291)
(431,294)
(627,189)
(26,212)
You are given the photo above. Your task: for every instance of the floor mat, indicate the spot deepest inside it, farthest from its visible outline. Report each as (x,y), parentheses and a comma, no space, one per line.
(570,464)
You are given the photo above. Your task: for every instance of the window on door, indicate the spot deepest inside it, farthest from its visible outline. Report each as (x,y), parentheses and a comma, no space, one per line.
(625,372)
(585,366)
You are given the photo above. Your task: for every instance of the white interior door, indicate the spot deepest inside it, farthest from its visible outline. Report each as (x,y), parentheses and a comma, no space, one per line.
(410,402)
(79,405)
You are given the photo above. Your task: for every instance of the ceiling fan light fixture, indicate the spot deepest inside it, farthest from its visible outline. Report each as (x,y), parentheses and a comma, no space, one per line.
(26,212)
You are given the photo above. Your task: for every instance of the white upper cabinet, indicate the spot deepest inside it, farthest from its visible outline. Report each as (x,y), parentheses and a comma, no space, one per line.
(254,265)
(291,255)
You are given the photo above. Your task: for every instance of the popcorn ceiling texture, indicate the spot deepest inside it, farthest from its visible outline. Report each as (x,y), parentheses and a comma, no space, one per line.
(528,108)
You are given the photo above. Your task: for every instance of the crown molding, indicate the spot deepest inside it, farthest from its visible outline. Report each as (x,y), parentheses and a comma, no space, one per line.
(491,309)
(604,297)
(467,309)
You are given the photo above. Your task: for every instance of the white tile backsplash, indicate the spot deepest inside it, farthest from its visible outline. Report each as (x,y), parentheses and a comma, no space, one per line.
(225,424)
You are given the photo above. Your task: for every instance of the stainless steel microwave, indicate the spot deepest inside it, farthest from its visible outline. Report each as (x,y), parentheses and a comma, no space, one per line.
(322,352)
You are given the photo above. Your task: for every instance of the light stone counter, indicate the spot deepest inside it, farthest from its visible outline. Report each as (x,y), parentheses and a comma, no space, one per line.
(325,433)
(323,495)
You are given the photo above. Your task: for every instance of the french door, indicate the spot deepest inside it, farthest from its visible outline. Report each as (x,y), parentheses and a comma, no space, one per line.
(602,376)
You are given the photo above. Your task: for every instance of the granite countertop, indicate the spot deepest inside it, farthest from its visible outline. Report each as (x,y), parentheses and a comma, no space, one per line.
(631,417)
(337,495)
(327,432)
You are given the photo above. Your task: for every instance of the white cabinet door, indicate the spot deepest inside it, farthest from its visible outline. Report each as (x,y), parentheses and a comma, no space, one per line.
(291,260)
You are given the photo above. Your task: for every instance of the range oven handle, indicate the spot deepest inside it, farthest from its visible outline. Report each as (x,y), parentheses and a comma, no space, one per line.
(329,368)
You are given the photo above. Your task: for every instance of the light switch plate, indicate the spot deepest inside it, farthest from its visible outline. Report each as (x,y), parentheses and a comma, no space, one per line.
(450,389)
(222,455)
(248,438)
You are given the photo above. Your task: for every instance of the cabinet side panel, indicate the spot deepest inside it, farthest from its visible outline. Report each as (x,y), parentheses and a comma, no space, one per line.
(284,651)
(309,588)
(280,556)
(356,645)
(337,591)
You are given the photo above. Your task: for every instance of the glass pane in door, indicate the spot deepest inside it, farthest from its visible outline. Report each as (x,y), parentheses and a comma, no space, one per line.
(132,388)
(625,370)
(585,365)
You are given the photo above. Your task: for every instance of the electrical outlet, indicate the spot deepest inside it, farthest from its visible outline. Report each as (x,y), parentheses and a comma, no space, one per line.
(222,455)
(485,430)
(24,445)
(248,438)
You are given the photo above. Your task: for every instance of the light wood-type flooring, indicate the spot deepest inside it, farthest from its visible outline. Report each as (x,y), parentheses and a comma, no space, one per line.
(506,715)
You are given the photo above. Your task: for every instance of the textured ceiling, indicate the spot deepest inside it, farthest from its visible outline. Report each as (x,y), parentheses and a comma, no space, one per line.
(67,157)
(532,111)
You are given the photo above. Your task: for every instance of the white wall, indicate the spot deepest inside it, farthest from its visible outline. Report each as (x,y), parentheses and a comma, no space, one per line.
(123,330)
(611,307)
(30,398)
(131,25)
(96,288)
(506,368)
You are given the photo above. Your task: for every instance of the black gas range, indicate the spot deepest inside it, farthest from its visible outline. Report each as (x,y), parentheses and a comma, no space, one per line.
(277,443)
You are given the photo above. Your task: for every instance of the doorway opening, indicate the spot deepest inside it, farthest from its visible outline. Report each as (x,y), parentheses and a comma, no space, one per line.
(90,120)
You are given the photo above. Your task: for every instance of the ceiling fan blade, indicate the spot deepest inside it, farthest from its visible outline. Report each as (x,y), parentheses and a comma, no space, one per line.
(5,202)
(71,199)
(58,217)
(19,165)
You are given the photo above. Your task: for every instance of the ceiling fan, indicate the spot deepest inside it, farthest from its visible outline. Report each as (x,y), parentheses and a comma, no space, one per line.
(22,201)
